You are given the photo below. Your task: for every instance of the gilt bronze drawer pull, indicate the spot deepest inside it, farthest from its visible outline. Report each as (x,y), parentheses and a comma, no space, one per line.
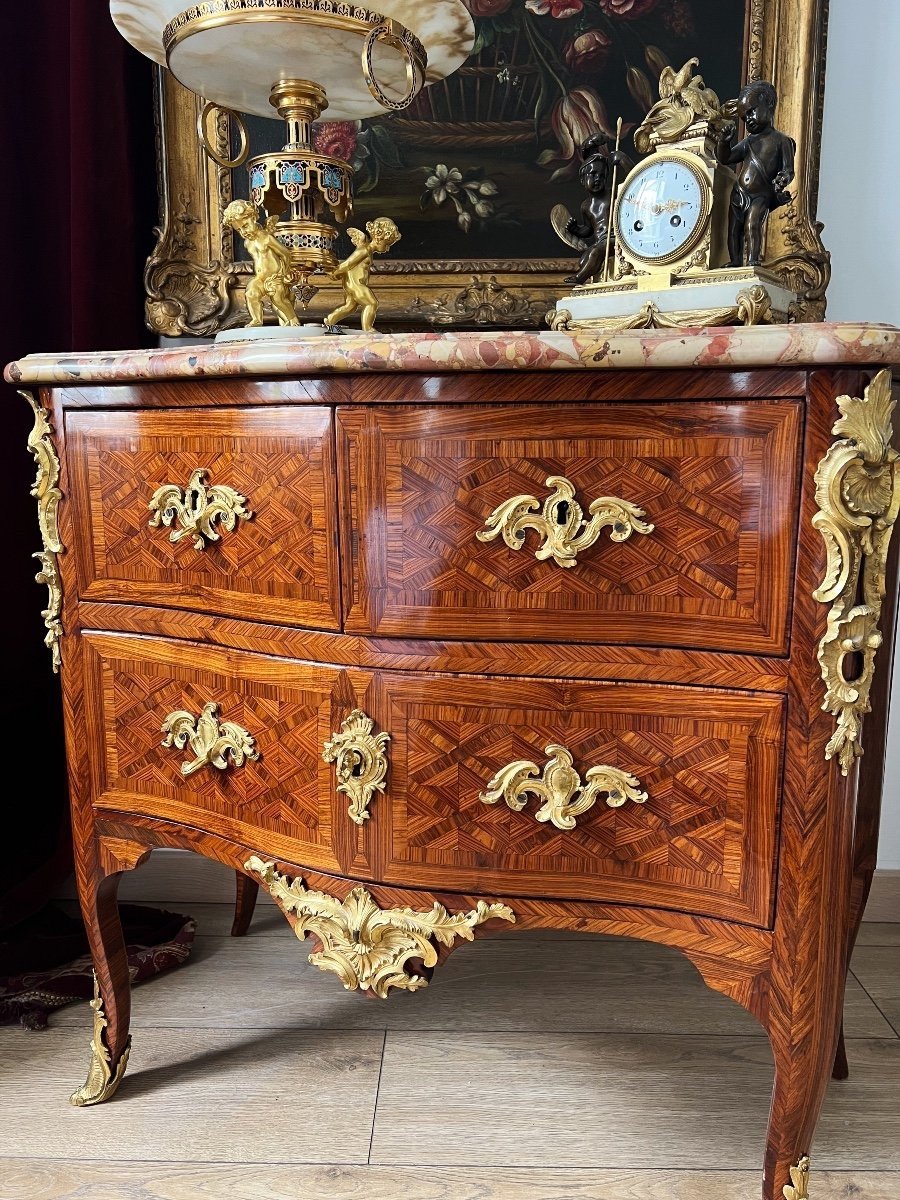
(561,523)
(198,508)
(360,758)
(560,788)
(210,740)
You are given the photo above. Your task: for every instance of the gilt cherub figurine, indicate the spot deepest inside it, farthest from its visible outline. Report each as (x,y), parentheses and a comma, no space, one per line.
(353,272)
(589,232)
(766,158)
(273,271)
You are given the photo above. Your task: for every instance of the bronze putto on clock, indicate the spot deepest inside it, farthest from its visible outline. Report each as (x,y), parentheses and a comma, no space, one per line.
(765,161)
(688,230)
(590,231)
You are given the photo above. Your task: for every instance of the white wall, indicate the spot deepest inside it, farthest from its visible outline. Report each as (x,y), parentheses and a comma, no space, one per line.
(859,201)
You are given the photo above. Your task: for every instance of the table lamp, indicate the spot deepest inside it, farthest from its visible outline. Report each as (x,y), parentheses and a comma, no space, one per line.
(251,56)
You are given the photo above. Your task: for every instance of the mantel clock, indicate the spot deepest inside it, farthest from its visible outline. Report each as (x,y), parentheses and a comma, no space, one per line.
(670,263)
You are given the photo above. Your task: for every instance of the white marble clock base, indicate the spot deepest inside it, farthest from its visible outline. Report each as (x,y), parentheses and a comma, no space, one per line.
(273,333)
(616,301)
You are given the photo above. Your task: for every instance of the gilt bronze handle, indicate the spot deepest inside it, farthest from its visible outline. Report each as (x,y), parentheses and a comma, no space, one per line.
(391,33)
(562,524)
(560,788)
(211,741)
(197,509)
(206,112)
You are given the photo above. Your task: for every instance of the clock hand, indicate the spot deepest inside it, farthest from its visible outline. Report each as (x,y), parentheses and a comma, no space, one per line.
(668,206)
(645,205)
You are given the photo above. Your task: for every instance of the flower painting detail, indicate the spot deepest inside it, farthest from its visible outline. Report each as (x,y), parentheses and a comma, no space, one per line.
(472,168)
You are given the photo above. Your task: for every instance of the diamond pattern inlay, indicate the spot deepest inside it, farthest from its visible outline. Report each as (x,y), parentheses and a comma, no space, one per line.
(278,792)
(284,558)
(684,767)
(277,484)
(696,508)
(714,480)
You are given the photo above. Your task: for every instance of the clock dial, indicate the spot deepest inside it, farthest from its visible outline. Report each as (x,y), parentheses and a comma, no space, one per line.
(661,209)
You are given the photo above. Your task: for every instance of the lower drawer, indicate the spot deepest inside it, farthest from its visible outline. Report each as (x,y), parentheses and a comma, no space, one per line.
(634,793)
(629,793)
(280,800)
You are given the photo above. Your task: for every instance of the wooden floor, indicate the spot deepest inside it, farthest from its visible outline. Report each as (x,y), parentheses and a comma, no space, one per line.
(535,1067)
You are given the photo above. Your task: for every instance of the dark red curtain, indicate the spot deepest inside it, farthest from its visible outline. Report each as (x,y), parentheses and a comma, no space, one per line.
(78,205)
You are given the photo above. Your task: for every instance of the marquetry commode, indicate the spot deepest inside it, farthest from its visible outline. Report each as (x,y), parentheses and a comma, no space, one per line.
(443,635)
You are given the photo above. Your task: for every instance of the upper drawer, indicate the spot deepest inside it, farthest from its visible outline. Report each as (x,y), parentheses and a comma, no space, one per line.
(717,482)
(280,564)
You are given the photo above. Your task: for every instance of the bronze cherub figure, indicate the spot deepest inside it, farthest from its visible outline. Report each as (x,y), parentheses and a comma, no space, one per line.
(589,233)
(766,158)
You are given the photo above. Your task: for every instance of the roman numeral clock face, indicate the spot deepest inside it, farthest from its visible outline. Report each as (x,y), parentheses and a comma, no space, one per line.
(662,210)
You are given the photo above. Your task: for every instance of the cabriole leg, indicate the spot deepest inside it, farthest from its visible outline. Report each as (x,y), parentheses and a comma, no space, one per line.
(803,1042)
(245,903)
(110,1042)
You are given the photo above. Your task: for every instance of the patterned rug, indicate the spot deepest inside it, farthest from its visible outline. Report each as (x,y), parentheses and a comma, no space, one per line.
(45,964)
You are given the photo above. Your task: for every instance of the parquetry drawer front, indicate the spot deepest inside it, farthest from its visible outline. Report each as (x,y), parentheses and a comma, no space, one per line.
(231,511)
(655,524)
(227,741)
(661,795)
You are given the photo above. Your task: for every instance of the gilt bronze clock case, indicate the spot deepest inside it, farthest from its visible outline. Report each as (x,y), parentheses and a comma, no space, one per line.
(707,247)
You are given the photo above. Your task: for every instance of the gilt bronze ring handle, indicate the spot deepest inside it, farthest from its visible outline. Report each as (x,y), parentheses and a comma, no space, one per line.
(393,34)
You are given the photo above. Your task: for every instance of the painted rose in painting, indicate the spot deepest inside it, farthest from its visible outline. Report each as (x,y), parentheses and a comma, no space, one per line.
(556,8)
(587,52)
(337,138)
(487,8)
(629,10)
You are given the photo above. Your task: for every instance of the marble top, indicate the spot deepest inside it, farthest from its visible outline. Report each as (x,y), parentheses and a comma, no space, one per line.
(845,343)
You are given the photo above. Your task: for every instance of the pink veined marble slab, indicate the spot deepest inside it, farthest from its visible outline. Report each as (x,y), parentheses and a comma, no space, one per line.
(758,346)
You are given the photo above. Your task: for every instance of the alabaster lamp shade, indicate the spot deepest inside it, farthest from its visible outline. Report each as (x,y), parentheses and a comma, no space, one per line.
(234,52)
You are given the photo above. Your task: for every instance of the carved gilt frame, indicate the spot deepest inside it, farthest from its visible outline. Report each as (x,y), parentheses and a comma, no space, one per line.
(194,286)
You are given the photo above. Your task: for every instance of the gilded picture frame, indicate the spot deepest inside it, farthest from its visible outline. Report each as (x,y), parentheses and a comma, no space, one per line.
(195,281)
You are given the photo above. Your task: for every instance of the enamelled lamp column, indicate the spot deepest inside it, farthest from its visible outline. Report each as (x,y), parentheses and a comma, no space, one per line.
(299,57)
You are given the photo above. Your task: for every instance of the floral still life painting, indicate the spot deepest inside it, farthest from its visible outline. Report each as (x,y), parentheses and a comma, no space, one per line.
(473,167)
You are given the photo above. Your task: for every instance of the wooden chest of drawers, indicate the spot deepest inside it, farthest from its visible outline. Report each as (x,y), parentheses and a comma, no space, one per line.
(435,636)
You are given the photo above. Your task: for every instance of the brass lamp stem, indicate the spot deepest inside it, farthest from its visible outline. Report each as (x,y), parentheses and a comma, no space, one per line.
(299,102)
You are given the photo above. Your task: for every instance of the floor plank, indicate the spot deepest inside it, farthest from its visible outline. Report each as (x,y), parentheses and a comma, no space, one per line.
(686,1103)
(884,899)
(197,1095)
(879,933)
(22,1179)
(500,983)
(878,970)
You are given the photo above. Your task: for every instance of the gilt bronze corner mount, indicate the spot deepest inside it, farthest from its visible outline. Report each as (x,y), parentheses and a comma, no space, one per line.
(48,496)
(858,495)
